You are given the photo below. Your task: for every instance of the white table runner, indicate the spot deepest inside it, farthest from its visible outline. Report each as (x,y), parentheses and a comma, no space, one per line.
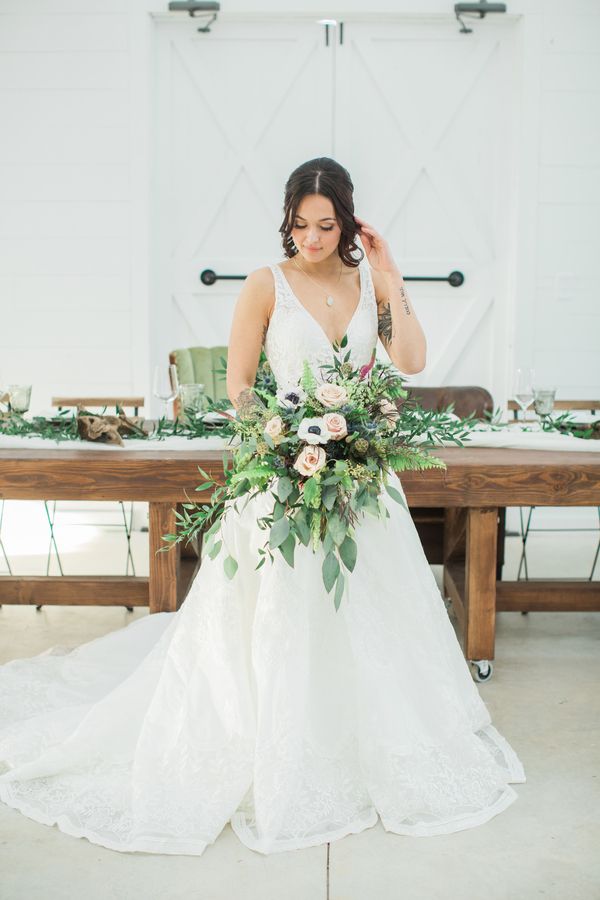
(513,437)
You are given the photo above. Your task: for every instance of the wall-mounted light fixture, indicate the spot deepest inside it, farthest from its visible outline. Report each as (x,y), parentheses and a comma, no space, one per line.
(196,9)
(476,10)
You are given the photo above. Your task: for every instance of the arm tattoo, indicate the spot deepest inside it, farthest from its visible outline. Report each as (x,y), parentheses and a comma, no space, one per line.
(264,335)
(384,326)
(404,300)
(249,405)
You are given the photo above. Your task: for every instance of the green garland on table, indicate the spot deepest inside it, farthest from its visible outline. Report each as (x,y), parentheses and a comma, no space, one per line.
(565,423)
(434,425)
(62,427)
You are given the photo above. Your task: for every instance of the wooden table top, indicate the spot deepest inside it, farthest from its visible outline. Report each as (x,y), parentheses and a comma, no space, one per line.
(476,476)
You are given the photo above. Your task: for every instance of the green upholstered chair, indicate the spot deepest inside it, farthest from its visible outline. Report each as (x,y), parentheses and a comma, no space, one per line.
(196,365)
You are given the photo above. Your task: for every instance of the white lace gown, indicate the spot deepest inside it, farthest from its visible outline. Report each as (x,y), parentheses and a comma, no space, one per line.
(256,703)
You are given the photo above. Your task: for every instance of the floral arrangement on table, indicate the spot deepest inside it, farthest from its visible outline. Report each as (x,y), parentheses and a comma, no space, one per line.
(324,450)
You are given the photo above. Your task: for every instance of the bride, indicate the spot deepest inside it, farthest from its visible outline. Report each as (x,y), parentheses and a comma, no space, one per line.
(256,703)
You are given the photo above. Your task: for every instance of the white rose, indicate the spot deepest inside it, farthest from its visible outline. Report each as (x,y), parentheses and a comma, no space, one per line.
(310,460)
(274,427)
(291,396)
(331,395)
(314,431)
(336,425)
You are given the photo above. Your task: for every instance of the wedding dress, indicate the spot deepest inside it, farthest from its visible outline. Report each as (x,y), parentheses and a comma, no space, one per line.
(256,703)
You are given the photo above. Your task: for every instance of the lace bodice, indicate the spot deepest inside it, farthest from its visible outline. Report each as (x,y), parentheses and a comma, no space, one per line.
(294,334)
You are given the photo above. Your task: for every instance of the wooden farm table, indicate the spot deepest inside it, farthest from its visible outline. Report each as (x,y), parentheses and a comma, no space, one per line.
(476,483)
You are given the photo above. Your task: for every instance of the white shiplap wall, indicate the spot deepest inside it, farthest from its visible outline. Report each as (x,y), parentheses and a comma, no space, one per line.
(561,325)
(76,184)
(69,200)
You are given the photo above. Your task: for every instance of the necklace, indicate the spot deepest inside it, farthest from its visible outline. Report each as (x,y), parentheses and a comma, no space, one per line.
(328,297)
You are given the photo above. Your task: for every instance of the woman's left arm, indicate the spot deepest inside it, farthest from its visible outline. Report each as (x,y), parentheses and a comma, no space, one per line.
(399,329)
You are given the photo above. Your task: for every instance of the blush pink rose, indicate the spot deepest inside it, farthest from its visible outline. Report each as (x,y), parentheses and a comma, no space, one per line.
(336,425)
(274,427)
(310,459)
(331,395)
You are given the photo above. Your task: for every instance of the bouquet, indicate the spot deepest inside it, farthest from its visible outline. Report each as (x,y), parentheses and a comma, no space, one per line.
(324,450)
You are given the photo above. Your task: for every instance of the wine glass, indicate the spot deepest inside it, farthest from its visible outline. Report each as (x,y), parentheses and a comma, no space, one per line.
(166,386)
(523,389)
(19,397)
(543,401)
(193,399)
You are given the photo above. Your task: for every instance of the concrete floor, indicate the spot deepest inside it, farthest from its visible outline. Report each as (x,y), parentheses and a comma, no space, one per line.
(543,698)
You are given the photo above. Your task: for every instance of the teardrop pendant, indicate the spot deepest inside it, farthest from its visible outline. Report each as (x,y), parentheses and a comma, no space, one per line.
(329,301)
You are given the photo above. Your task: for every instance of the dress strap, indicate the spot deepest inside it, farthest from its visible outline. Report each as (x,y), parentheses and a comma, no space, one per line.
(282,290)
(369,288)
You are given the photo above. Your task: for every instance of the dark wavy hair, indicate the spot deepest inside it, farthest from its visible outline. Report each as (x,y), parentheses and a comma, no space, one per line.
(327,177)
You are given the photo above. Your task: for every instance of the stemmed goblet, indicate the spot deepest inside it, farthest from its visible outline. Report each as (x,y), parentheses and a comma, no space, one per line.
(523,391)
(166,386)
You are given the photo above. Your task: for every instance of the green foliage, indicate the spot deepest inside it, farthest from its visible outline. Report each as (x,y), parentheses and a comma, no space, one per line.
(307,381)
(331,570)
(348,552)
(312,492)
(339,590)
(279,532)
(230,566)
(323,510)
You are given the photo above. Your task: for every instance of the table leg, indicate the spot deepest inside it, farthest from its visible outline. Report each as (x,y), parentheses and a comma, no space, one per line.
(164,565)
(480,583)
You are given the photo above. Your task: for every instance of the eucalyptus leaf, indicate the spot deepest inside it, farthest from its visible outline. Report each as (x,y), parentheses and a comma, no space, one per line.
(336,527)
(329,496)
(331,570)
(214,550)
(396,495)
(371,506)
(348,552)
(230,565)
(284,488)
(339,590)
(287,549)
(278,510)
(279,531)
(302,526)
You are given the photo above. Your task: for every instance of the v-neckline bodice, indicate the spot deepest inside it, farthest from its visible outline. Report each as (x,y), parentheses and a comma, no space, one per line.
(310,315)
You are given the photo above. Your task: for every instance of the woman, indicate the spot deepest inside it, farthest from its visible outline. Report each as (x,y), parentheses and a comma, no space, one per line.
(256,703)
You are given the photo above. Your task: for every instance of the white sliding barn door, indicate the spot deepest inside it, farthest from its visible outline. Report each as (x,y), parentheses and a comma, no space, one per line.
(236,111)
(421,115)
(425,125)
